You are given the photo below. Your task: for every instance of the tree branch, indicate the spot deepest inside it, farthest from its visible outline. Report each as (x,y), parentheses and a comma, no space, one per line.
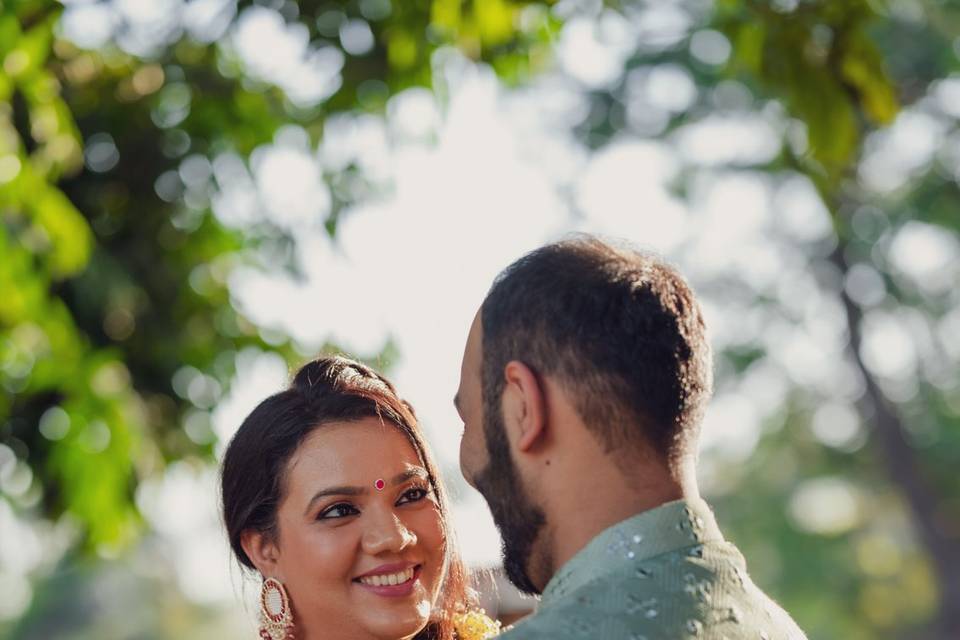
(904,468)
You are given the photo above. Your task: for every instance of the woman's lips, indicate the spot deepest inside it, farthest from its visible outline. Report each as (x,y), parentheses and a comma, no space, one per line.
(398,590)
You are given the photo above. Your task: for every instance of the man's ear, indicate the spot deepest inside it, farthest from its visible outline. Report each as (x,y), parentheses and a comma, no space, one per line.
(524,404)
(262,551)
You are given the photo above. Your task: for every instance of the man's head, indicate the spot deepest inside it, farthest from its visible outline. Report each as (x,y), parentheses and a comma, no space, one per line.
(619,333)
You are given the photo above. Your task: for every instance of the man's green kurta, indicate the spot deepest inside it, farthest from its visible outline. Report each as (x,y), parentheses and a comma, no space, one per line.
(663,574)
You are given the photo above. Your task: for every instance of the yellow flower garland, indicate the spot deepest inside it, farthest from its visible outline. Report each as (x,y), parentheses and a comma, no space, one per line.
(475,625)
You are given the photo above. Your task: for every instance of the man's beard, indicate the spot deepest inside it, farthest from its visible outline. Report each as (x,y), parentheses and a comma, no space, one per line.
(515,514)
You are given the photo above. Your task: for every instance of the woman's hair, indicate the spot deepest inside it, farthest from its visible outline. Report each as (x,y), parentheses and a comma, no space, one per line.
(329,389)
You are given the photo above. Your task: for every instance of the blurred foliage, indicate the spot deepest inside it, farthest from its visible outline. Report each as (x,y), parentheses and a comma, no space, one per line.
(823,61)
(117,335)
(833,76)
(820,59)
(87,596)
(842,70)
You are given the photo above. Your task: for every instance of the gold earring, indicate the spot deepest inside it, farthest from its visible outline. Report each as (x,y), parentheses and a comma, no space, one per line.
(276,618)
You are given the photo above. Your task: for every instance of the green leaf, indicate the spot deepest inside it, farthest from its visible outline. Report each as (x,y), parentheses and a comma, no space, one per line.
(863,69)
(495,21)
(9,34)
(68,233)
(402,50)
(749,43)
(446,15)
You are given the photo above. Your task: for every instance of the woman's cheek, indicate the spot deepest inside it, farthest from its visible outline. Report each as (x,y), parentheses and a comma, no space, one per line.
(432,537)
(324,560)
(323,555)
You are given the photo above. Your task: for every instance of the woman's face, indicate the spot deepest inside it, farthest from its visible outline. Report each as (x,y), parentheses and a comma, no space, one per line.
(361,547)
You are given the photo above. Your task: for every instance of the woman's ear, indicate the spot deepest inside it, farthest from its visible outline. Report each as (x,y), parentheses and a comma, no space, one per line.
(524,409)
(262,551)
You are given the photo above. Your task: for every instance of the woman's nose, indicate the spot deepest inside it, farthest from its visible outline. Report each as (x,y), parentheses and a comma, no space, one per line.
(387,533)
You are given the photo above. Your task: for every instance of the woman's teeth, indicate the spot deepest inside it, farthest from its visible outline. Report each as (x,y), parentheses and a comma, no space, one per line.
(388,579)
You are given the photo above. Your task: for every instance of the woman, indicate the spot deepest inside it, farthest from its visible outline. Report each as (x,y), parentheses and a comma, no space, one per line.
(330,493)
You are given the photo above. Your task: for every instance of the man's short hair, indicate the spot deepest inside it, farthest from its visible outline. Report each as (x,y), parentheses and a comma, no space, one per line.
(618,328)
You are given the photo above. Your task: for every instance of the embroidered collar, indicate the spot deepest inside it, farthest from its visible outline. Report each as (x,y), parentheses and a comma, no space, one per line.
(669,527)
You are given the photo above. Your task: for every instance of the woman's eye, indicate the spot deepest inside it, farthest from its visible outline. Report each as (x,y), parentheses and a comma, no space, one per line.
(341,510)
(413,495)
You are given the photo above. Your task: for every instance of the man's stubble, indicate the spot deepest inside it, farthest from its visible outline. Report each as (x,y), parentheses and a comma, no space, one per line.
(519,519)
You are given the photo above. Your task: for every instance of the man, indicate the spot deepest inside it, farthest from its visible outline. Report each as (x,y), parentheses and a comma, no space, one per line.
(584,380)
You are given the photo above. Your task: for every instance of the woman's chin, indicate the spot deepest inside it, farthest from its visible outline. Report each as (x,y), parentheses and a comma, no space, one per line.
(395,631)
(396,617)
(399,624)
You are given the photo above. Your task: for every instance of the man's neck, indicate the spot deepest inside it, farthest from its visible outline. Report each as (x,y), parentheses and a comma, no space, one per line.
(591,508)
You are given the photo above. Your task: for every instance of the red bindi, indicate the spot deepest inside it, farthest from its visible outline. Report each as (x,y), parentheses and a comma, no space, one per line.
(379,484)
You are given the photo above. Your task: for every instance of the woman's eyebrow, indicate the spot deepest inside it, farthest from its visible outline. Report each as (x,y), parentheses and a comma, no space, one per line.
(400,478)
(334,491)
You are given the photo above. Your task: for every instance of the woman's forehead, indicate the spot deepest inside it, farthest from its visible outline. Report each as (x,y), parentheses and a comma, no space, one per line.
(348,452)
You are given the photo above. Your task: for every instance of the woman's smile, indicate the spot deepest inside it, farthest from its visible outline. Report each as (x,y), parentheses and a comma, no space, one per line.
(391,581)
